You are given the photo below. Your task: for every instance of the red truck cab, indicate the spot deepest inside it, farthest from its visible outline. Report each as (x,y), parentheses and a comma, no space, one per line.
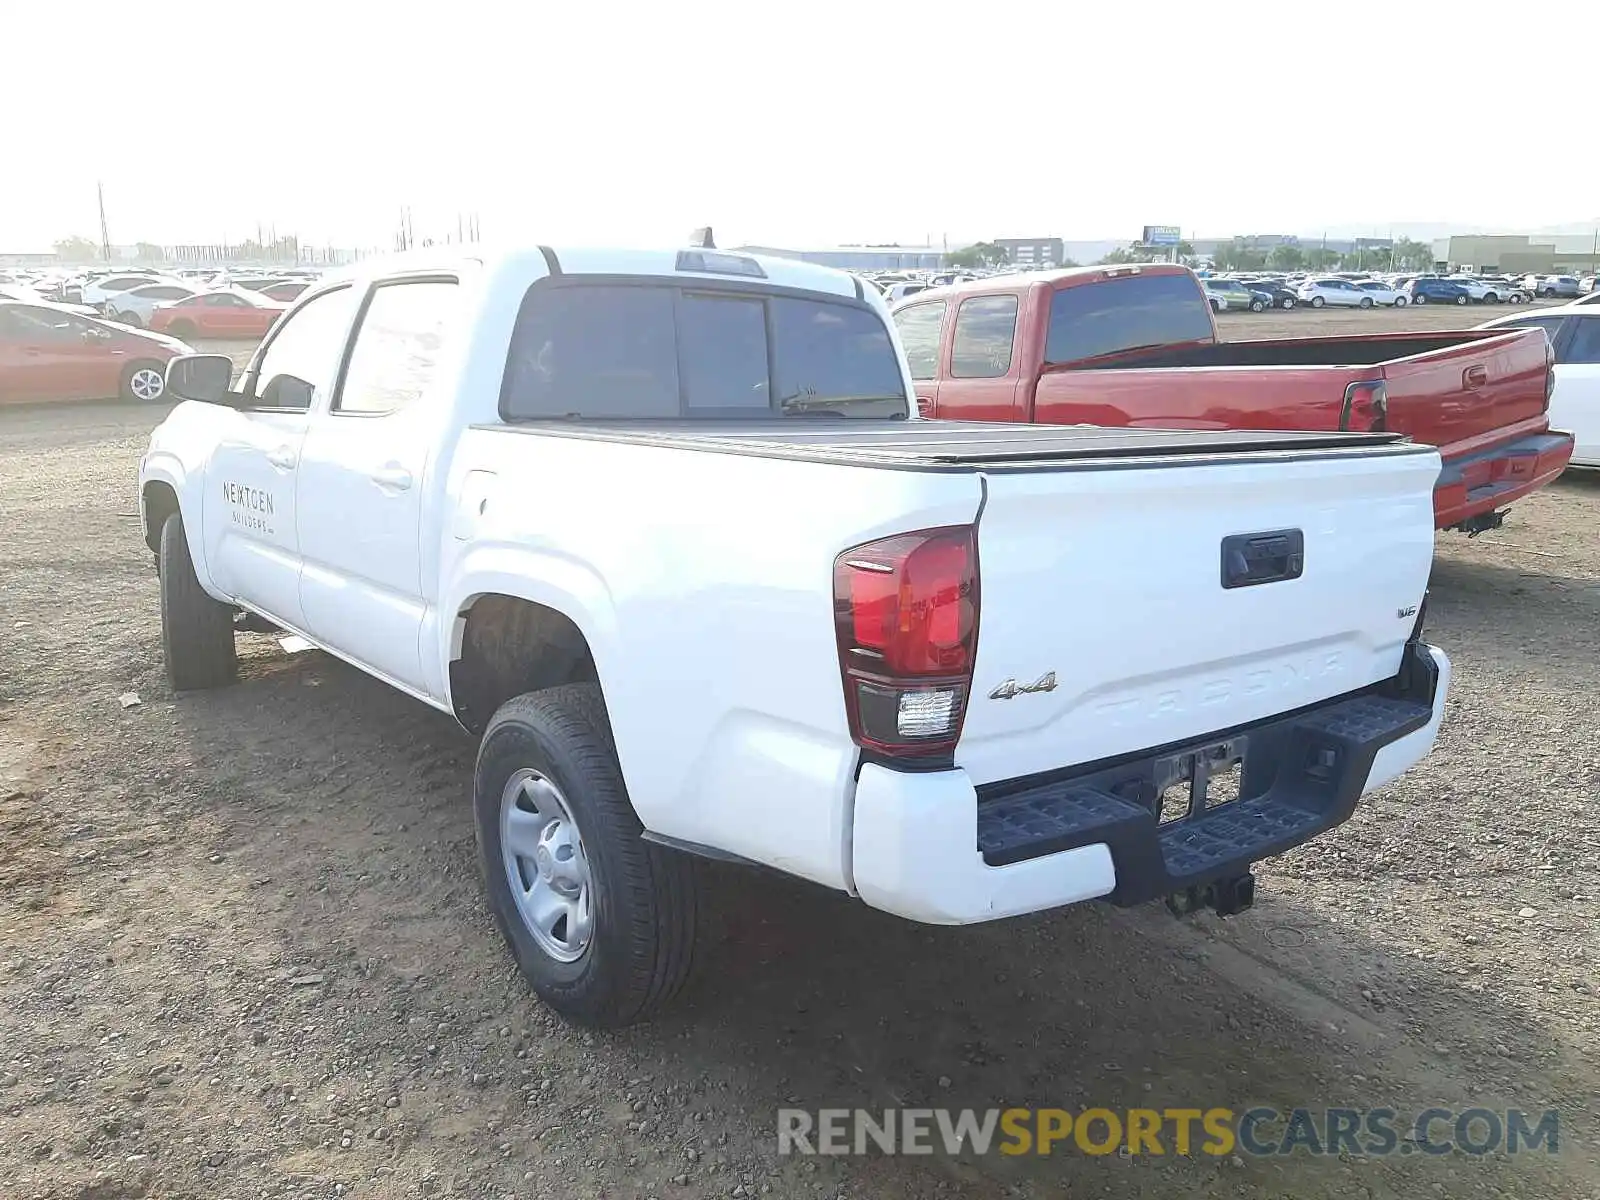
(1137,345)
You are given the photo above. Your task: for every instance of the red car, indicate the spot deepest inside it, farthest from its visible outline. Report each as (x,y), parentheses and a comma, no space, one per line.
(225,314)
(48,353)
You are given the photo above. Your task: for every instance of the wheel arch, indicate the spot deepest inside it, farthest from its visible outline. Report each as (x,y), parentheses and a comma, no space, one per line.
(518,631)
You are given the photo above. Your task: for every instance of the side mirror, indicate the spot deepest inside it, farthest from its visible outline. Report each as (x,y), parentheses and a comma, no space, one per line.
(202,377)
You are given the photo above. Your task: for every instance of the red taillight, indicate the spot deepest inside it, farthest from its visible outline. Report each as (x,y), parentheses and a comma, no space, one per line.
(1366,407)
(906,614)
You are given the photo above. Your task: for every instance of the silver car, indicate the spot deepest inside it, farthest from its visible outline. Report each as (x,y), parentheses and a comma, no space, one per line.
(134,306)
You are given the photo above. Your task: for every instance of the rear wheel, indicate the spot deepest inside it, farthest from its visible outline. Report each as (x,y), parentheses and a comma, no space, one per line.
(143,382)
(1288,302)
(1399,301)
(128,318)
(1215,306)
(1317,302)
(1366,302)
(1462,299)
(181,329)
(196,631)
(1421,298)
(1257,305)
(600,921)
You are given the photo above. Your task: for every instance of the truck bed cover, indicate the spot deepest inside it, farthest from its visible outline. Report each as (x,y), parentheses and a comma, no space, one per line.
(966,446)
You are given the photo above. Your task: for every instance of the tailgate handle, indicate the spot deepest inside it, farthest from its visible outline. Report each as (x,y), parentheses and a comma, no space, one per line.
(1249,559)
(1474,377)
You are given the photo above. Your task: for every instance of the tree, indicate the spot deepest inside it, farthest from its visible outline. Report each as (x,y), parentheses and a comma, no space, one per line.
(1408,254)
(1119,256)
(1185,250)
(979,254)
(1320,258)
(76,249)
(1286,258)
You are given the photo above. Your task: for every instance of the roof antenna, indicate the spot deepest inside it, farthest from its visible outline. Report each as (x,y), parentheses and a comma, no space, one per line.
(700,239)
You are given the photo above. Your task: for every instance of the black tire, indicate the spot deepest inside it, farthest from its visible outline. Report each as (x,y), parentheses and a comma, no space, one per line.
(1257,305)
(1420,299)
(643,896)
(1366,302)
(1317,302)
(1287,303)
(196,631)
(1216,307)
(182,330)
(1463,299)
(128,318)
(1399,301)
(137,382)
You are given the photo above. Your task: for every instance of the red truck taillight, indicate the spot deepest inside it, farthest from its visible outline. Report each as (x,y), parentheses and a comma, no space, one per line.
(906,615)
(1366,407)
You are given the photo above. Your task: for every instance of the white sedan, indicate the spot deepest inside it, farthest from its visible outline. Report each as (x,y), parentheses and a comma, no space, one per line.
(1338,292)
(1382,293)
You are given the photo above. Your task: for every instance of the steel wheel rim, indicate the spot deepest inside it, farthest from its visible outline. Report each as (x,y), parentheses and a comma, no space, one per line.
(546,866)
(146,384)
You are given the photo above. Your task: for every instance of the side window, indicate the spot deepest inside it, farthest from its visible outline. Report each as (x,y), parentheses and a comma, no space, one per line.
(985,328)
(305,347)
(397,346)
(919,328)
(1584,344)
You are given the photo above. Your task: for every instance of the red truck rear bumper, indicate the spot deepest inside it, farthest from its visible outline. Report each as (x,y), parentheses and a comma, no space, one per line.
(1483,481)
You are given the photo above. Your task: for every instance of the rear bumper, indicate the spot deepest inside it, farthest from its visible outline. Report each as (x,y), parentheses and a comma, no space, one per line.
(1486,480)
(930,848)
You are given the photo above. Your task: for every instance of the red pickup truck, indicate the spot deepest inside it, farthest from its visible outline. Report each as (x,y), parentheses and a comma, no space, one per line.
(1136,345)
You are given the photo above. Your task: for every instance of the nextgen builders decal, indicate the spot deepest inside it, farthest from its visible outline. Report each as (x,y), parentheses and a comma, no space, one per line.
(249,507)
(1258,1132)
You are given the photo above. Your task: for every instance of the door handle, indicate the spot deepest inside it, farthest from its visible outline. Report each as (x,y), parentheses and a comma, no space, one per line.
(1474,377)
(392,478)
(283,458)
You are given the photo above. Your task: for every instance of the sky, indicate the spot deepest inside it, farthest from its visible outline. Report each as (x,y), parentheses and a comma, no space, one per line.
(798,124)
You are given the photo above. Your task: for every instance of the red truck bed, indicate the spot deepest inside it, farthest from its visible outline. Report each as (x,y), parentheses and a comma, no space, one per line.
(1137,346)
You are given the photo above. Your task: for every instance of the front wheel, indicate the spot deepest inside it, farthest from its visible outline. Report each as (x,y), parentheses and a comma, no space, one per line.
(182,330)
(1257,305)
(1462,299)
(1421,299)
(1288,303)
(1399,301)
(143,382)
(1216,307)
(600,921)
(196,631)
(1317,302)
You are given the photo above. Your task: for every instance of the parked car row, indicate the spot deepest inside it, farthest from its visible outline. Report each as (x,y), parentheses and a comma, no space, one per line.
(1574,333)
(1257,293)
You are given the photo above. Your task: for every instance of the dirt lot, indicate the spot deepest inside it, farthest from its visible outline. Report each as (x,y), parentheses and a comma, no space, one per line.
(245,955)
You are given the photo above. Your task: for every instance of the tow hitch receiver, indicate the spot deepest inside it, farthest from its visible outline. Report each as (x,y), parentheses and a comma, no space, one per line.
(1226,897)
(1483,522)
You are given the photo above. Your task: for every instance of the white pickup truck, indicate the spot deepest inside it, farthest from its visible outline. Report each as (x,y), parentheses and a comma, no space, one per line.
(663,529)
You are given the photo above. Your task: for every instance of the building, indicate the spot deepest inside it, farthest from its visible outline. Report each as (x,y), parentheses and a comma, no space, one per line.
(1033,252)
(860,258)
(1517,253)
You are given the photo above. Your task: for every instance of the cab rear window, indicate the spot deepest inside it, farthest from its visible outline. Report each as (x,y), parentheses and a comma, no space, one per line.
(643,350)
(1127,312)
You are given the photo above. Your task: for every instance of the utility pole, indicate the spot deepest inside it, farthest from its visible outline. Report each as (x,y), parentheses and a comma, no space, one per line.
(105,237)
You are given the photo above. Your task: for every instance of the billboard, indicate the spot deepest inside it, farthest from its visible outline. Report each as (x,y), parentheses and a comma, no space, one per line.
(1161,235)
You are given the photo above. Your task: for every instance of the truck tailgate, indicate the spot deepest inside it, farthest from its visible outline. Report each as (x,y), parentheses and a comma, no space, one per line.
(1466,397)
(1136,588)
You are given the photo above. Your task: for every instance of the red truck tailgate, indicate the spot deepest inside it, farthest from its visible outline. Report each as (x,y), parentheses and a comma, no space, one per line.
(1457,396)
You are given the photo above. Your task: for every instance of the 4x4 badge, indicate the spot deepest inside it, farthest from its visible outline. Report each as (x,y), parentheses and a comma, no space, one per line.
(1011,689)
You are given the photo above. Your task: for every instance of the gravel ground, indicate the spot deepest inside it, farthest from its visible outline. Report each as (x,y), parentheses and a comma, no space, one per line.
(245,952)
